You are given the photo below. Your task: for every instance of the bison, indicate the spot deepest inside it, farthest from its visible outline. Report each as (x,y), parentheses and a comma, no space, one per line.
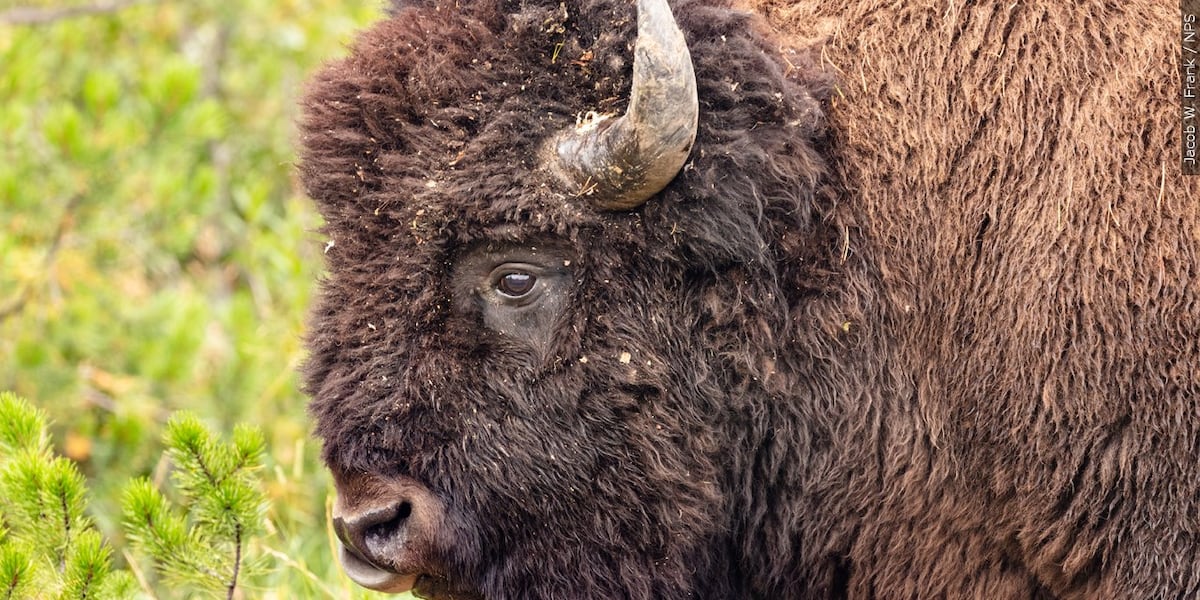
(773,300)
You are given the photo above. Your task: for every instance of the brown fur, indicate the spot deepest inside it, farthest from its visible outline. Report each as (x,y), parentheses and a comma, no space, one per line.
(919,320)
(1008,170)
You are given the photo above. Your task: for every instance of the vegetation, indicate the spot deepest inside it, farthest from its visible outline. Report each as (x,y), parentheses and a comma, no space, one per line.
(48,546)
(157,255)
(208,546)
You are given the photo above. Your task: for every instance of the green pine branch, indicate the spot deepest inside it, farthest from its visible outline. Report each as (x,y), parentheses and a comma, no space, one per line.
(49,548)
(16,571)
(203,542)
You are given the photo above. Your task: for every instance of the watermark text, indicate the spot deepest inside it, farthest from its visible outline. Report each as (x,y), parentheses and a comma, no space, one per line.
(1189,93)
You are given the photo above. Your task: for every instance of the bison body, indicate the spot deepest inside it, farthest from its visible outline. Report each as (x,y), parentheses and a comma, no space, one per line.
(918,317)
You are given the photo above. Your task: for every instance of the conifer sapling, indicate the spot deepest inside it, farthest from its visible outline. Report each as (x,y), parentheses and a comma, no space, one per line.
(203,543)
(49,548)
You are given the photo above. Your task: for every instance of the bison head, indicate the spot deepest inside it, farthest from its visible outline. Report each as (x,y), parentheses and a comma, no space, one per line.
(541,356)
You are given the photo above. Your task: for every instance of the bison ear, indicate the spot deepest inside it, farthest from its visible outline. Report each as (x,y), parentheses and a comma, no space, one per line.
(621,162)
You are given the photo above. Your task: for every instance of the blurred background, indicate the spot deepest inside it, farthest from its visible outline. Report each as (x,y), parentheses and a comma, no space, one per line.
(156,251)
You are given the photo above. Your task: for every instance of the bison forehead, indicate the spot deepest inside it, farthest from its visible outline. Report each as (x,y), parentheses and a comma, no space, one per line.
(438,115)
(431,130)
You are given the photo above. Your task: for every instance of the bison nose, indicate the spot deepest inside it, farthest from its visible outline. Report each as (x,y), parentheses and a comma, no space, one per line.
(377,533)
(390,529)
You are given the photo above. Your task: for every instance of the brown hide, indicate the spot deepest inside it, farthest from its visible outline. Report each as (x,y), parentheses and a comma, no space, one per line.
(1011,169)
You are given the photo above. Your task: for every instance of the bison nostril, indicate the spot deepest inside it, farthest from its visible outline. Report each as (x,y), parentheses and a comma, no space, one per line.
(391,525)
(391,528)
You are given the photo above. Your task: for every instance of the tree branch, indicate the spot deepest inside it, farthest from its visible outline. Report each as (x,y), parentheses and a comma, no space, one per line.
(29,15)
(237,562)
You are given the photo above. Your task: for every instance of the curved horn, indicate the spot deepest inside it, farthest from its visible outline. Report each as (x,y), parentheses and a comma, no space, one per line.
(622,162)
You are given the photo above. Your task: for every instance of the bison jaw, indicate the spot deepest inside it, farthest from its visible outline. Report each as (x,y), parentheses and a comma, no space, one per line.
(620,163)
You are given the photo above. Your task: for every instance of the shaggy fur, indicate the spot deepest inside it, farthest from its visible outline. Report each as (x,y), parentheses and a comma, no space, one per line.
(919,319)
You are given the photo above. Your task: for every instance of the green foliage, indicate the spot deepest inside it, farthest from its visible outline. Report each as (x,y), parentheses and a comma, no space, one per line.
(17,577)
(22,428)
(205,544)
(156,253)
(48,548)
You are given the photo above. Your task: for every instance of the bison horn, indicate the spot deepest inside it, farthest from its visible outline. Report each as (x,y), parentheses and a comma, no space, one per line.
(620,163)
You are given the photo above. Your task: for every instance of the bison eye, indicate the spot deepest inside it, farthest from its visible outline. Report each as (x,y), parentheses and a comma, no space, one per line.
(515,284)
(517,291)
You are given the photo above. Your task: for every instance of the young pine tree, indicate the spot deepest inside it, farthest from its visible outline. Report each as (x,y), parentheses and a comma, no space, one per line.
(49,549)
(202,544)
